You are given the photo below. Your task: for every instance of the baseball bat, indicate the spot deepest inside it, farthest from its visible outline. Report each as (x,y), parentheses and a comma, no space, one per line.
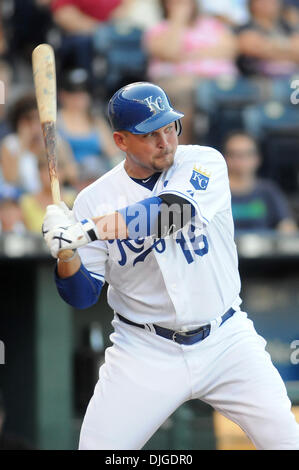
(44,75)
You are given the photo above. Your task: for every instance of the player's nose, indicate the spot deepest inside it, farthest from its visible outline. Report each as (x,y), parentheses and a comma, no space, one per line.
(162,140)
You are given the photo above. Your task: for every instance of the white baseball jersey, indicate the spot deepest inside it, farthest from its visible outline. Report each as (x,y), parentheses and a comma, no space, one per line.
(181,281)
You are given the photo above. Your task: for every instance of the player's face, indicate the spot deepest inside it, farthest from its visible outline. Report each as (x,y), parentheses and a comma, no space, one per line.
(148,153)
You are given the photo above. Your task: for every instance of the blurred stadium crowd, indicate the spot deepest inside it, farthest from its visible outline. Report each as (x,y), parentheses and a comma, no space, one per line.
(232,66)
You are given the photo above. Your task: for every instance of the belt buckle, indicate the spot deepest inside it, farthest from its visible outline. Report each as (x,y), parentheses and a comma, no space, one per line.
(182,333)
(177,333)
(174,338)
(205,329)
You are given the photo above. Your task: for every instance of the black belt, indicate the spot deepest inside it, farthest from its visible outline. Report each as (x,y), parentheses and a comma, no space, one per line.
(181,337)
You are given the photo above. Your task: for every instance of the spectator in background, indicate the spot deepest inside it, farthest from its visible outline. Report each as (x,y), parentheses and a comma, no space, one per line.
(82,16)
(233,12)
(269,47)
(88,135)
(21,150)
(5,86)
(78,20)
(257,204)
(33,206)
(290,13)
(142,14)
(185,47)
(11,218)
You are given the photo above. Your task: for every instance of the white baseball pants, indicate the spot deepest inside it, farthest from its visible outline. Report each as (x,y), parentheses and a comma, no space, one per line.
(145,378)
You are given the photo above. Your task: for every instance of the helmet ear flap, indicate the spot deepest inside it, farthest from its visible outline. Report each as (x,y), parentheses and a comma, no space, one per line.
(178,127)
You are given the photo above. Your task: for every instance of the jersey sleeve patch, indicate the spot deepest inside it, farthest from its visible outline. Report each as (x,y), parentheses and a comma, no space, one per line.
(200,179)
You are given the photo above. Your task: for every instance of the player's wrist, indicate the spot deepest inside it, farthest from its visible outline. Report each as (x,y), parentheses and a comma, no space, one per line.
(90,230)
(111,226)
(72,255)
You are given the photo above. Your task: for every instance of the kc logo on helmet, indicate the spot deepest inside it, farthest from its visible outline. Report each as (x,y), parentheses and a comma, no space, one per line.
(155,106)
(200,179)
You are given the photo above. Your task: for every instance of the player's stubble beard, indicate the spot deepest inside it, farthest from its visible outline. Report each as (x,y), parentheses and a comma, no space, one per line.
(161,162)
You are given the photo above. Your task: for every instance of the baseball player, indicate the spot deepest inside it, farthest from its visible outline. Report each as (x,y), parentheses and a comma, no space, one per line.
(158,228)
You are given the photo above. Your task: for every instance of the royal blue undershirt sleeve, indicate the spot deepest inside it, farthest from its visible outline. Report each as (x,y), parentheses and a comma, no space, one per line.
(80,290)
(145,218)
(141,217)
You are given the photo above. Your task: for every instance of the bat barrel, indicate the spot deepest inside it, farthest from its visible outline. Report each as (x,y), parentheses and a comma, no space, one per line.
(49,132)
(44,74)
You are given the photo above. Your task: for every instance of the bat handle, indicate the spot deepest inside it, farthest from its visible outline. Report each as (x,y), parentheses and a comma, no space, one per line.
(55,190)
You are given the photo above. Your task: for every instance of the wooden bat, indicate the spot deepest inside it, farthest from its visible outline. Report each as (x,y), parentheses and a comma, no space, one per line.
(44,75)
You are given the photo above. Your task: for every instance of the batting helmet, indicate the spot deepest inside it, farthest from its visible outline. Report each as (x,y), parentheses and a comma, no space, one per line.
(140,108)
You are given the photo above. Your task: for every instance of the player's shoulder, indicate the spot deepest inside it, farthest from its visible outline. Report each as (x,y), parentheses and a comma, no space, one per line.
(101,185)
(200,153)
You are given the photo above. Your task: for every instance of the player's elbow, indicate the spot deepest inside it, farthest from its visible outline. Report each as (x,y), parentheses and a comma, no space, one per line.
(81,302)
(80,290)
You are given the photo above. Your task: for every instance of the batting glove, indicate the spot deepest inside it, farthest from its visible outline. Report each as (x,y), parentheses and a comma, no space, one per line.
(71,237)
(57,214)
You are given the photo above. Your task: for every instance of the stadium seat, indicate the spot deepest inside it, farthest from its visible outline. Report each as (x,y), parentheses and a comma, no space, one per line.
(226,92)
(281,89)
(274,117)
(276,126)
(223,100)
(281,160)
(121,46)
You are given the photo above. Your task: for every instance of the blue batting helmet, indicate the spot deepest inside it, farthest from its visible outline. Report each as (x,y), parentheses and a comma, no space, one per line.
(140,108)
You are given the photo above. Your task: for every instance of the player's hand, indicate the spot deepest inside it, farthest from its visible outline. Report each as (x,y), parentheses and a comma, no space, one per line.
(71,237)
(57,214)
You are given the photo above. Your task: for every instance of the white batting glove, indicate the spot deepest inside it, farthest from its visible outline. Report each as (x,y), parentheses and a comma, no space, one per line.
(71,237)
(57,214)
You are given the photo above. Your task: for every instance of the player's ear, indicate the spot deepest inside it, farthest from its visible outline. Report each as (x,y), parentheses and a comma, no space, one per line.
(120,140)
